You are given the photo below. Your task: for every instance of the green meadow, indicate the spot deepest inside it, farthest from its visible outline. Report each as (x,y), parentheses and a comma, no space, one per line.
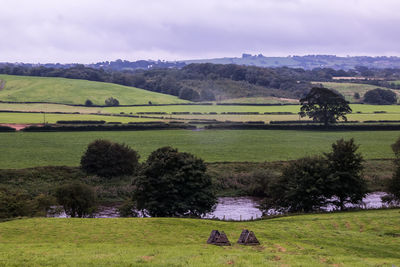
(365,238)
(72,91)
(24,149)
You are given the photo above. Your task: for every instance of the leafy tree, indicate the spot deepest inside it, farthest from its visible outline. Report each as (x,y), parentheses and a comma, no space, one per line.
(356,95)
(88,103)
(173,183)
(111,102)
(324,105)
(345,173)
(77,199)
(380,97)
(107,159)
(301,188)
(393,186)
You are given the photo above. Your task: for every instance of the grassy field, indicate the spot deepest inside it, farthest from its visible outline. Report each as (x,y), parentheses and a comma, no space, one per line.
(22,149)
(348,89)
(395,109)
(27,118)
(71,91)
(260,100)
(367,238)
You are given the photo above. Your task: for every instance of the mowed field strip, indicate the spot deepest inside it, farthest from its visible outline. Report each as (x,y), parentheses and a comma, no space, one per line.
(72,91)
(24,149)
(365,238)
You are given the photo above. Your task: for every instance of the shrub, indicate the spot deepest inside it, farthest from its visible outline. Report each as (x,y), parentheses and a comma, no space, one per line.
(88,103)
(380,97)
(111,102)
(108,159)
(128,209)
(173,183)
(16,203)
(77,199)
(393,185)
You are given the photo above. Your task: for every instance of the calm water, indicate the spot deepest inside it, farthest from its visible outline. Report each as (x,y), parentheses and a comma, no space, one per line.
(243,208)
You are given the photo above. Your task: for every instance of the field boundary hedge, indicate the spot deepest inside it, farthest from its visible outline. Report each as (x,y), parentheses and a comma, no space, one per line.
(316,127)
(112,127)
(4,128)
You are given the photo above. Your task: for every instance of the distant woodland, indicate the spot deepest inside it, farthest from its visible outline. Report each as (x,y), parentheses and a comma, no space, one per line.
(209,82)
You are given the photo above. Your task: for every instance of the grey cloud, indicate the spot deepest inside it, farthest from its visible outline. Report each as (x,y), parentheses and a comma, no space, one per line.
(90,31)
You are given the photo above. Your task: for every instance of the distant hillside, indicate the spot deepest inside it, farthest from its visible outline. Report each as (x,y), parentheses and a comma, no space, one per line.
(70,91)
(306,62)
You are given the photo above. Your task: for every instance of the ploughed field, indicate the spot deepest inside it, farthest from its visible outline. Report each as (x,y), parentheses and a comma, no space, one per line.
(365,238)
(29,149)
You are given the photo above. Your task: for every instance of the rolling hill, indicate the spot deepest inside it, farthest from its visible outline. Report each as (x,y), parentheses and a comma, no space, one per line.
(71,91)
(348,89)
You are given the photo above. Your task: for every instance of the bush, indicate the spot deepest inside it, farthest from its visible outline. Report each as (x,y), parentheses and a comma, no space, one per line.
(380,97)
(111,102)
(108,159)
(173,183)
(88,103)
(128,209)
(77,199)
(301,188)
(16,203)
(393,185)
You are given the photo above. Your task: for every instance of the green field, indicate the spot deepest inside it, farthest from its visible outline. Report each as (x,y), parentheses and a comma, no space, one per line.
(24,149)
(348,89)
(71,91)
(27,118)
(367,238)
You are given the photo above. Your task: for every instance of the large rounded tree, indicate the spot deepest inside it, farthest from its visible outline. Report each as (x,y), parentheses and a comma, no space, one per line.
(380,97)
(324,105)
(173,183)
(107,159)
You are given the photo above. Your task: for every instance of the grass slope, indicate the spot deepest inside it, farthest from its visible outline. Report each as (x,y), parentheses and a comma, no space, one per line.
(367,238)
(71,91)
(22,150)
(348,89)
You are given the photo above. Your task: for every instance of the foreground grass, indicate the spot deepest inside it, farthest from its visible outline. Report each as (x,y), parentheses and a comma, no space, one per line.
(367,238)
(71,91)
(23,149)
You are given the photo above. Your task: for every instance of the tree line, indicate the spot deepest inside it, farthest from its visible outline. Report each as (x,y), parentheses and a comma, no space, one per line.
(208,82)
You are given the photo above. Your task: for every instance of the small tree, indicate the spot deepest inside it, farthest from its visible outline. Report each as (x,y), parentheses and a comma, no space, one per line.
(77,199)
(345,173)
(111,102)
(301,188)
(88,103)
(324,105)
(173,183)
(107,159)
(393,185)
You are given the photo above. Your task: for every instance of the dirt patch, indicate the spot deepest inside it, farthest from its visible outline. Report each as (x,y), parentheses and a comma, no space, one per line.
(280,248)
(18,126)
(147,258)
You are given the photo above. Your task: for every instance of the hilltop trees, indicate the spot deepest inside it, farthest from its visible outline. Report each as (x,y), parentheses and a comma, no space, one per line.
(107,159)
(173,183)
(324,105)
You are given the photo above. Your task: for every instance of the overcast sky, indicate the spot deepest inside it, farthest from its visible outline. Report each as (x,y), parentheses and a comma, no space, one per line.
(87,31)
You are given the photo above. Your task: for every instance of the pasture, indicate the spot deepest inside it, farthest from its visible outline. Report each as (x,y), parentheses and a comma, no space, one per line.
(28,118)
(71,91)
(27,149)
(365,238)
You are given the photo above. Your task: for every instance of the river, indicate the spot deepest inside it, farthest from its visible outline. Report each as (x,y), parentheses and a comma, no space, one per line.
(243,208)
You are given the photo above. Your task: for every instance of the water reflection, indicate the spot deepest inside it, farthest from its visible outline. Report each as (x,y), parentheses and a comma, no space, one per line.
(244,208)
